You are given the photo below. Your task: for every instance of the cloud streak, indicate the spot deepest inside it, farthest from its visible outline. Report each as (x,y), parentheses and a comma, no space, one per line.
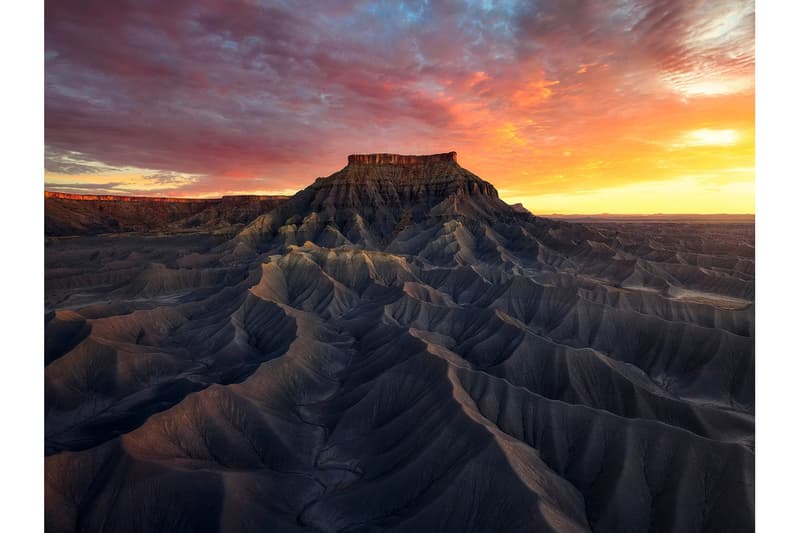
(253,95)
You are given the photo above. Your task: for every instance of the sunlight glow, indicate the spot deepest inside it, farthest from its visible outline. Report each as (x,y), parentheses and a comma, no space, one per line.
(709,137)
(687,194)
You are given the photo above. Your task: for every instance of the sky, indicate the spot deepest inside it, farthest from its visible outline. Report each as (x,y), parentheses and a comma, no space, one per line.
(567,106)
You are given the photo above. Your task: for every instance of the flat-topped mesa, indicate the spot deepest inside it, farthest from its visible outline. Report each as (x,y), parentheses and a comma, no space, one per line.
(397,159)
(407,179)
(119,198)
(375,197)
(238,198)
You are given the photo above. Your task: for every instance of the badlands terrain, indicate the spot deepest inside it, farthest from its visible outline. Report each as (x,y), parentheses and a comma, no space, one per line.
(394,348)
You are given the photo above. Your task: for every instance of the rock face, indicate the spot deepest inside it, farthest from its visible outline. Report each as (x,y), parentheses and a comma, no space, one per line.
(395,348)
(397,159)
(377,195)
(78,214)
(519,208)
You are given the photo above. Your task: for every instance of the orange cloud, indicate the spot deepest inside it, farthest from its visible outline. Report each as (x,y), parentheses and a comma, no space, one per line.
(565,106)
(533,93)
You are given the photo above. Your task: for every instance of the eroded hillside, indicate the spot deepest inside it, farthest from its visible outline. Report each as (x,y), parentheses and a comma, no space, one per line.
(395,348)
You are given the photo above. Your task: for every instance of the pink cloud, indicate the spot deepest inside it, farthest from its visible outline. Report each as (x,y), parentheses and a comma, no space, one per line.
(235,91)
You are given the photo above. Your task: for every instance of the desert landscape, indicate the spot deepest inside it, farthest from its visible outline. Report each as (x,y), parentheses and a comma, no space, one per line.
(394,348)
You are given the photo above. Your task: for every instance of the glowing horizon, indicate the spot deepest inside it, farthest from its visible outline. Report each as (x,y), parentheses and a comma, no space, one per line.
(630,107)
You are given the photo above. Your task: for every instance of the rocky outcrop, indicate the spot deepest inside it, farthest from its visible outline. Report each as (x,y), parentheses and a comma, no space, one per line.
(376,195)
(519,208)
(397,159)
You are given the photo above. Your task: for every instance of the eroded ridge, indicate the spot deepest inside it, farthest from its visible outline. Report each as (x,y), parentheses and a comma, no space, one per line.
(450,364)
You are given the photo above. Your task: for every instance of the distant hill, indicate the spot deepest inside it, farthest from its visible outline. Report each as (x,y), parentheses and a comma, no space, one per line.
(78,214)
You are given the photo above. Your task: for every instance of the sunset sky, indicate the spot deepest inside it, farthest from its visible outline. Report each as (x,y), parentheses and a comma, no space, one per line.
(567,106)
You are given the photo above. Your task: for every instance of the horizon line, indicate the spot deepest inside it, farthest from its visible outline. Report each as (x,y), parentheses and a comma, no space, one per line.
(101,197)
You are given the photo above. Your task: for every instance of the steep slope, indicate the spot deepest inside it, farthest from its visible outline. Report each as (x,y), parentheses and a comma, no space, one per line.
(395,348)
(375,197)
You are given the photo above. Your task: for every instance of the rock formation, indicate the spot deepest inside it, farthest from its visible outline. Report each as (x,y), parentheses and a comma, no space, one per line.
(80,214)
(395,348)
(397,159)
